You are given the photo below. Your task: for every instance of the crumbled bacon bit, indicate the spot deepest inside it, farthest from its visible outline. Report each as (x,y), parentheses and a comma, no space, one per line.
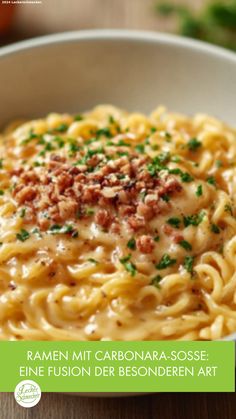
(136,222)
(145,244)
(117,190)
(27,193)
(67,209)
(103,218)
(145,211)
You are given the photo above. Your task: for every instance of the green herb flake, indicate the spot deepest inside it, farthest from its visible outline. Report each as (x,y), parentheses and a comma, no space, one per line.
(176,159)
(58,229)
(23,235)
(186,177)
(215,229)
(104,132)
(89,211)
(1,192)
(165,198)
(193,220)
(156,281)
(153,129)
(165,262)
(61,128)
(211,180)
(128,265)
(131,244)
(174,222)
(111,119)
(188,264)
(185,244)
(78,117)
(140,148)
(60,142)
(199,190)
(228,208)
(22,212)
(93,261)
(194,144)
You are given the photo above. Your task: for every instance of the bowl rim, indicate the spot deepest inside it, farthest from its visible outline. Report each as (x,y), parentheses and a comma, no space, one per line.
(119,35)
(124,35)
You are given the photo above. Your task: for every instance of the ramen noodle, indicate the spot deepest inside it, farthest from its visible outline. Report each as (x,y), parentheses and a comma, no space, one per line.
(118,226)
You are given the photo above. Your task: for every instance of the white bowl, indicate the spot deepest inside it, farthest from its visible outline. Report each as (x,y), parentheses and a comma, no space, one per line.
(131,69)
(135,70)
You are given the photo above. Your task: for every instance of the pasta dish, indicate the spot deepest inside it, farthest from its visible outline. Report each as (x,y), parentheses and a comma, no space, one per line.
(117,226)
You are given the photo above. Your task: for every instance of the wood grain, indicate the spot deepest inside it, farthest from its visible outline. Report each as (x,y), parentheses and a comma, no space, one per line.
(163,406)
(62,15)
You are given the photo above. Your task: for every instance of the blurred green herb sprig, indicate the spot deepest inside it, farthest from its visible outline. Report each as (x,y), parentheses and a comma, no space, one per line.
(215,22)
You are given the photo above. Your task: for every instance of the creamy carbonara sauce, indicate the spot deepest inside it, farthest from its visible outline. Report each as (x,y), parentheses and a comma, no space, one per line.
(117,226)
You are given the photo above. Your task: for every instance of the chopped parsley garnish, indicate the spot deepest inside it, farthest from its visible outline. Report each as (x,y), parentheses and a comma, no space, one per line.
(156,239)
(89,211)
(156,281)
(131,244)
(122,153)
(174,221)
(23,235)
(60,142)
(168,135)
(36,231)
(153,129)
(228,208)
(163,157)
(93,261)
(199,190)
(31,136)
(176,159)
(37,163)
(22,212)
(128,265)
(186,177)
(215,229)
(211,180)
(58,229)
(122,143)
(165,262)
(111,119)
(120,176)
(61,128)
(1,163)
(193,220)
(78,117)
(186,245)
(73,148)
(175,171)
(194,144)
(104,132)
(188,263)
(1,192)
(140,148)
(165,198)
(158,163)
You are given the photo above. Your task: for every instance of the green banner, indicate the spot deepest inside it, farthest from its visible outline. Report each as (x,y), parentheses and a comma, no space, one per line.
(166,366)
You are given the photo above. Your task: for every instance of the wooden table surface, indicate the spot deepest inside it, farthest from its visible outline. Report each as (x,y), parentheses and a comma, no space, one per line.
(62,15)
(163,406)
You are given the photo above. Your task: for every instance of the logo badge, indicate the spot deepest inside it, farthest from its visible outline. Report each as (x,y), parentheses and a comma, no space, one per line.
(27,393)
